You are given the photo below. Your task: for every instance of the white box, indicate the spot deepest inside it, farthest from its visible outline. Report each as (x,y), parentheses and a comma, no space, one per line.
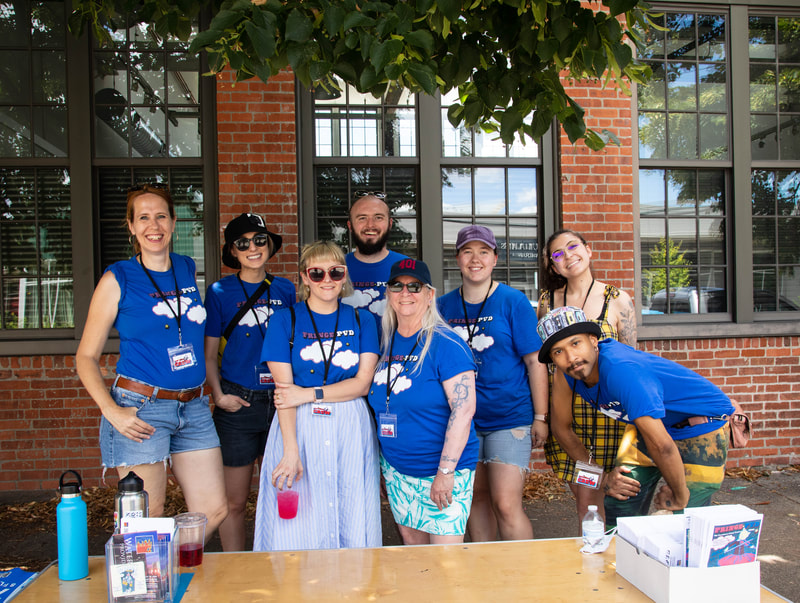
(732,583)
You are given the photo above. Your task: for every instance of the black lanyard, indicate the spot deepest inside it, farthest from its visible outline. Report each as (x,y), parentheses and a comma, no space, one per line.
(594,416)
(471,332)
(164,297)
(252,306)
(326,361)
(390,385)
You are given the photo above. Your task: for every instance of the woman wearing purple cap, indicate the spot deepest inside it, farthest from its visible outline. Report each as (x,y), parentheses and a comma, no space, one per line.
(239,307)
(567,281)
(423,396)
(497,322)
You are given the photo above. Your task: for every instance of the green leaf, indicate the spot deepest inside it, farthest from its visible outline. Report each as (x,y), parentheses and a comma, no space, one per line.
(473,110)
(510,122)
(346,71)
(263,41)
(405,18)
(298,27)
(451,9)
(357,19)
(574,127)
(384,53)
(424,76)
(393,71)
(617,7)
(540,123)
(561,28)
(317,70)
(367,79)
(225,19)
(333,18)
(546,49)
(204,39)
(420,38)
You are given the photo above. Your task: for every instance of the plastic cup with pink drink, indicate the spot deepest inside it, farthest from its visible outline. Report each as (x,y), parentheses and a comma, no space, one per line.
(287,503)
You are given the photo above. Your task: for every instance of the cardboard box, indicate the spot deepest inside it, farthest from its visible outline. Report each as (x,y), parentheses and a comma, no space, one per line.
(663,584)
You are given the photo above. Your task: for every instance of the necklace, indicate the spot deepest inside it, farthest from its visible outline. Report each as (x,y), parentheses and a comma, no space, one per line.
(566,288)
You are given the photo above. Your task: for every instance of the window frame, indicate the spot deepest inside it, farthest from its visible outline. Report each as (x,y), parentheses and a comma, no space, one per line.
(741,319)
(85,225)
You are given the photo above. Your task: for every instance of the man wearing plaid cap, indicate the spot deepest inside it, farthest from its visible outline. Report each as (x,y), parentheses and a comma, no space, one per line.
(676,418)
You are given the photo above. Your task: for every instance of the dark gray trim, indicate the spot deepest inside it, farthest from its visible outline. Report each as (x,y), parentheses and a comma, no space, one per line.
(788,328)
(307,202)
(430,186)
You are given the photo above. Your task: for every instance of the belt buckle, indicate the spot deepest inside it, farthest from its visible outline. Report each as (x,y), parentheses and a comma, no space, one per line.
(186,395)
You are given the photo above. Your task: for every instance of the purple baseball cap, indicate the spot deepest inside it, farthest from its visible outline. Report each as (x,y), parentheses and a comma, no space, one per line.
(474,232)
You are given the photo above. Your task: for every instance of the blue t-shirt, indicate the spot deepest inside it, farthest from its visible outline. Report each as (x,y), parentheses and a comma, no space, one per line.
(420,403)
(306,355)
(242,355)
(369,282)
(504,332)
(147,325)
(635,384)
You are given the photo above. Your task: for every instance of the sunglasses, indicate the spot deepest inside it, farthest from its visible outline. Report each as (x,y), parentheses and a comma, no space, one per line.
(559,255)
(140,187)
(317,275)
(243,243)
(377,194)
(397,286)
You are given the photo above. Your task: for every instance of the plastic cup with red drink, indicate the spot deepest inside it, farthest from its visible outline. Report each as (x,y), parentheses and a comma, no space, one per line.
(191,538)
(287,504)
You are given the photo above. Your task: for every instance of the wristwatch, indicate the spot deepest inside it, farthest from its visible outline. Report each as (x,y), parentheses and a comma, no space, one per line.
(318,393)
(445,470)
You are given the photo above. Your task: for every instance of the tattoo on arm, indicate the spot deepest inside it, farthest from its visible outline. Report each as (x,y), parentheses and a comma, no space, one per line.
(458,399)
(627,325)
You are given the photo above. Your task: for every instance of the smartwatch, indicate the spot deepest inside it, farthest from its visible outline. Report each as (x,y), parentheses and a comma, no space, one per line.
(318,394)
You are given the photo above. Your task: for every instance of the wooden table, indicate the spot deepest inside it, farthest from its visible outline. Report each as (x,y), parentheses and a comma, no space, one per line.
(532,570)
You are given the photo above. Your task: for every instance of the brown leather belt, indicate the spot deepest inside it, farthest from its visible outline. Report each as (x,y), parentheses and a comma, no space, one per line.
(183,395)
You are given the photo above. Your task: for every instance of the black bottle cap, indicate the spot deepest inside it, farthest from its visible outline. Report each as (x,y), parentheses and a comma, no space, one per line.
(131,483)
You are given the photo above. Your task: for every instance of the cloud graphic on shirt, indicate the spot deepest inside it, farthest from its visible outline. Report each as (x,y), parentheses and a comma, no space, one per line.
(401,383)
(169,308)
(313,353)
(196,314)
(345,359)
(248,320)
(462,332)
(481,342)
(378,307)
(361,298)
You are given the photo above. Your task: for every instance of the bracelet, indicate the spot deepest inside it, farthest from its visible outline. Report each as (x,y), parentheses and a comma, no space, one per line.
(445,470)
(540,417)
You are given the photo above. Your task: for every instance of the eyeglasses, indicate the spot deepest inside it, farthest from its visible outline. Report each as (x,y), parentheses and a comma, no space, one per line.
(317,275)
(243,243)
(140,187)
(559,255)
(377,194)
(397,286)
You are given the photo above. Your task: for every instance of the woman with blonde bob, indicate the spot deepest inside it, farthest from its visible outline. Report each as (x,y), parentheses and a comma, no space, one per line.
(322,354)
(423,396)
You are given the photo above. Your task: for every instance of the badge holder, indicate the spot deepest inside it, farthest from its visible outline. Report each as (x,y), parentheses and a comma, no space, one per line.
(181,357)
(388,425)
(263,376)
(588,475)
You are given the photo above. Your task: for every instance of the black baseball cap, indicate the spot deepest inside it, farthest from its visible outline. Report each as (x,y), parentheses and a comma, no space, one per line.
(241,225)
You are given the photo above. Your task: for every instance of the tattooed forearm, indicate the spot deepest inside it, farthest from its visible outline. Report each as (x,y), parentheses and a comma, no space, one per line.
(627,325)
(460,393)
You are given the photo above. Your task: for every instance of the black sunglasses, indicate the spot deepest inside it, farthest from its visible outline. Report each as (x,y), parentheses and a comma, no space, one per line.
(317,275)
(140,187)
(397,286)
(376,194)
(243,243)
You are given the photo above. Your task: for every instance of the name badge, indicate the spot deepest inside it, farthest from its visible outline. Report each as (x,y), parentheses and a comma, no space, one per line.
(181,357)
(588,475)
(263,376)
(388,425)
(321,410)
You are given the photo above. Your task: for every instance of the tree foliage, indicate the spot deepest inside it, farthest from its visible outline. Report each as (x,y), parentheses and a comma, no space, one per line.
(507,58)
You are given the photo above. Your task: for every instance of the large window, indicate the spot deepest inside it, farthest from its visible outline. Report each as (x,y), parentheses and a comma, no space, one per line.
(694,147)
(78,126)
(437,179)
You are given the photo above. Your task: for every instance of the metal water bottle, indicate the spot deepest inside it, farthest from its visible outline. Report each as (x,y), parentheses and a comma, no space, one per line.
(131,499)
(73,534)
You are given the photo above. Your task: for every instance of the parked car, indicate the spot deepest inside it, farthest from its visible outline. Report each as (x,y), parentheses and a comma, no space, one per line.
(684,300)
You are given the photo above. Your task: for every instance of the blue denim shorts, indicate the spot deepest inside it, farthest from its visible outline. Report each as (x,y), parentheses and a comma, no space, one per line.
(507,446)
(179,427)
(243,433)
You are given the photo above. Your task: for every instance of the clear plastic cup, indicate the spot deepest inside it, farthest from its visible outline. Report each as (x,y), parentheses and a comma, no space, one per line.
(191,538)
(287,504)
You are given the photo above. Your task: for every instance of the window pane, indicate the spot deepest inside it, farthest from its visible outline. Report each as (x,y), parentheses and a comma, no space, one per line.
(682,135)
(653,96)
(184,132)
(652,136)
(332,193)
(764,136)
(682,185)
(713,136)
(651,192)
(713,87)
(490,191)
(523,244)
(183,79)
(47,24)
(15,77)
(14,23)
(762,38)
(680,35)
(50,131)
(654,40)
(711,33)
(789,88)
(788,240)
(711,193)
(682,86)
(788,40)
(49,77)
(762,87)
(456,191)
(15,133)
(790,137)
(401,133)
(522,191)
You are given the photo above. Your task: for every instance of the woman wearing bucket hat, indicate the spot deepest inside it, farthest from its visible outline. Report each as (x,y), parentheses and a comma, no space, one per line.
(423,396)
(567,280)
(239,307)
(497,321)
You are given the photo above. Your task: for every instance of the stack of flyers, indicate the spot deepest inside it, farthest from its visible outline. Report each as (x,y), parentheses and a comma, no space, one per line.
(722,535)
(657,536)
(164,527)
(13,581)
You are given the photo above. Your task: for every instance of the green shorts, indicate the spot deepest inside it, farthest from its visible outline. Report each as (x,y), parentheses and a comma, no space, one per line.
(703,458)
(410,500)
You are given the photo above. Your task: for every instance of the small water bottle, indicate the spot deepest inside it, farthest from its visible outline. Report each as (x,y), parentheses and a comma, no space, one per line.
(593,529)
(72,529)
(131,500)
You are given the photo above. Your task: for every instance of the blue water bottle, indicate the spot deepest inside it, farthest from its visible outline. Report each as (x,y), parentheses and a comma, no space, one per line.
(73,533)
